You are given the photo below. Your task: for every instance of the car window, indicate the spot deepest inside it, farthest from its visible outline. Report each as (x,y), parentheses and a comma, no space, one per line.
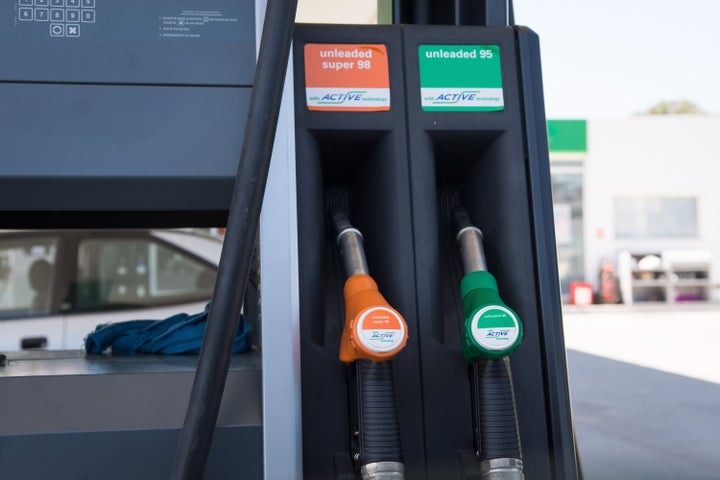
(26,276)
(115,273)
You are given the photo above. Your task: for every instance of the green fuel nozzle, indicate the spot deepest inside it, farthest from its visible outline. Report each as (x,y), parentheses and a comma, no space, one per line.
(492,330)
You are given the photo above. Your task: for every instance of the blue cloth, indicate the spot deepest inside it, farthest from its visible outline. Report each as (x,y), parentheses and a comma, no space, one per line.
(181,333)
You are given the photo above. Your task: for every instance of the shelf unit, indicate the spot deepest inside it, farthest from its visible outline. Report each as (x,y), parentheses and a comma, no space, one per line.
(669,276)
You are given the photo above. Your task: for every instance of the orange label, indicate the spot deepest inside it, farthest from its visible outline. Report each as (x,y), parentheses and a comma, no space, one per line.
(347,77)
(381,319)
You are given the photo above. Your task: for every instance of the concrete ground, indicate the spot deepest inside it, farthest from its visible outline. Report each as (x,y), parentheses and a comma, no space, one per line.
(645,389)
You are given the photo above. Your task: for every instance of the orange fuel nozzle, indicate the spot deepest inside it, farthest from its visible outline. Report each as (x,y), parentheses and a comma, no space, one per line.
(373,329)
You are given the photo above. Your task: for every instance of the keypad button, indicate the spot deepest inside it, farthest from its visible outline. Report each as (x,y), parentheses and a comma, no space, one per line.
(72,30)
(25,14)
(57,3)
(57,30)
(41,3)
(88,16)
(72,15)
(57,15)
(88,3)
(25,3)
(41,14)
(72,3)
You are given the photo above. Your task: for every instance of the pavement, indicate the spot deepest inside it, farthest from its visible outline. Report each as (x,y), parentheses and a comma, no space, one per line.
(645,390)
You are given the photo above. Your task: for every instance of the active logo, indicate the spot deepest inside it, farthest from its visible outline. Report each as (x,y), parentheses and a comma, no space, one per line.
(490,98)
(340,97)
(498,334)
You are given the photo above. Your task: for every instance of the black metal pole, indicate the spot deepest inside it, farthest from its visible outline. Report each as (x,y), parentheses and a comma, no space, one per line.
(214,360)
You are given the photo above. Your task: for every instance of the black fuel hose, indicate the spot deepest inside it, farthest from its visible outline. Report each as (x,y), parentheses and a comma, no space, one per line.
(494,414)
(243,218)
(378,424)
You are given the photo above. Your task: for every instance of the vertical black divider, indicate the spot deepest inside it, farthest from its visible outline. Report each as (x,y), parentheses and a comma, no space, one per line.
(480,159)
(357,160)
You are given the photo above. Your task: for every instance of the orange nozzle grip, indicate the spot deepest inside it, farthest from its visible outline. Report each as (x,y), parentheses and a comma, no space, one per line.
(373,329)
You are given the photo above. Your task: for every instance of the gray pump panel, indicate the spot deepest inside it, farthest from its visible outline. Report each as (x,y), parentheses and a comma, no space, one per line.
(123,113)
(122,106)
(71,416)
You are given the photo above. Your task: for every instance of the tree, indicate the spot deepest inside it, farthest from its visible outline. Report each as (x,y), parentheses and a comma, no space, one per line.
(674,107)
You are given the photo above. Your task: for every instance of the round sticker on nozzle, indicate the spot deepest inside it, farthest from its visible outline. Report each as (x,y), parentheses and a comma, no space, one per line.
(495,327)
(380,329)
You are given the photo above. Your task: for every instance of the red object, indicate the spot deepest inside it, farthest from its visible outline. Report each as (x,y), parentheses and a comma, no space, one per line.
(581,293)
(608,288)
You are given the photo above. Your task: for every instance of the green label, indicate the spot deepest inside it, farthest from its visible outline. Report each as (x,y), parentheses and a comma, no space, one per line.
(460,78)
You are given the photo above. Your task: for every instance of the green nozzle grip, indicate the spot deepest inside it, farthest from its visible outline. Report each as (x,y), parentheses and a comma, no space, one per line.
(492,329)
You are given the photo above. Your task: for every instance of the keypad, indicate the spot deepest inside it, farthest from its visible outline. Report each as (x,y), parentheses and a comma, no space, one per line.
(65,17)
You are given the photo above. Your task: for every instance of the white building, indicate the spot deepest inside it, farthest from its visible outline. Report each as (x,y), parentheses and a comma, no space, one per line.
(646,185)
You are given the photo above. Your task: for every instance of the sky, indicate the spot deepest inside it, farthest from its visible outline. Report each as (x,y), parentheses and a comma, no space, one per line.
(614,58)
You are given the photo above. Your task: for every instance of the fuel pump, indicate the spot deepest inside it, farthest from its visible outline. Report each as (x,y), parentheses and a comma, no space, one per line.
(374,333)
(491,332)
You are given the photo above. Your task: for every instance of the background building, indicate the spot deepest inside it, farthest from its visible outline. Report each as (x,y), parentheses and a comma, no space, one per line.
(639,188)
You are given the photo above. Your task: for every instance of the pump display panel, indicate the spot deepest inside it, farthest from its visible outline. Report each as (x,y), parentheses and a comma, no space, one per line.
(122,111)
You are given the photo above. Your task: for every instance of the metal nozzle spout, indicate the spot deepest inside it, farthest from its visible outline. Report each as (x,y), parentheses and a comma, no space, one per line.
(469,238)
(383,471)
(502,469)
(350,242)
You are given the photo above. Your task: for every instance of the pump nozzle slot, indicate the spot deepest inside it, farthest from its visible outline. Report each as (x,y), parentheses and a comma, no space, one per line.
(374,333)
(491,332)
